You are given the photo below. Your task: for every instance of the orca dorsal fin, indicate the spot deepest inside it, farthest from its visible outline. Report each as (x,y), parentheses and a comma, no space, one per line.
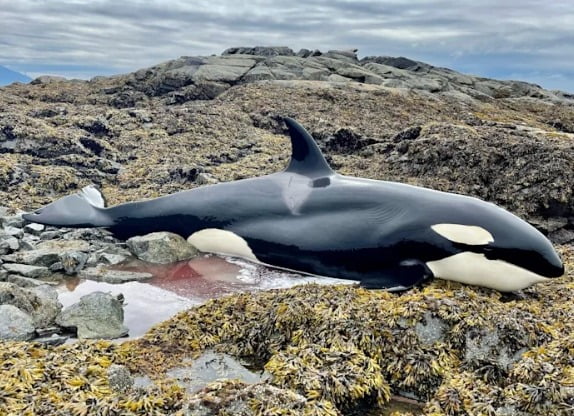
(306,157)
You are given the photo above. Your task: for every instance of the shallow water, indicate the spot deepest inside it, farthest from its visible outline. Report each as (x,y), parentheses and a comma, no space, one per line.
(178,286)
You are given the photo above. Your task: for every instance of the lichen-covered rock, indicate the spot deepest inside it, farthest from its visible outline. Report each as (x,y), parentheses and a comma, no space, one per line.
(97,315)
(161,247)
(15,324)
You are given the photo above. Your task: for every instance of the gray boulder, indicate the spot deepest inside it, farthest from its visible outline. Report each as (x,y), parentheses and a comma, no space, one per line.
(161,247)
(41,302)
(15,324)
(97,315)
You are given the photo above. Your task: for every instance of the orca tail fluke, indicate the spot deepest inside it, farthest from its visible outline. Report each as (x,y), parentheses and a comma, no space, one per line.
(83,209)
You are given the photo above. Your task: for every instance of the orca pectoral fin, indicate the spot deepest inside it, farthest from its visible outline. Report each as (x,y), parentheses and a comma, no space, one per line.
(400,277)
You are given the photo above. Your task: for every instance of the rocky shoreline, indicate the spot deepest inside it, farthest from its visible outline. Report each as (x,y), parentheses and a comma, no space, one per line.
(335,350)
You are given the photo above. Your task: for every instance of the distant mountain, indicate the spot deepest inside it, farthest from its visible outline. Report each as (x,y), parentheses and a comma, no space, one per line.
(7,76)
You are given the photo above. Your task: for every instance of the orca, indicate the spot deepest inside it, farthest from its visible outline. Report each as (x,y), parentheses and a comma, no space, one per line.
(312,220)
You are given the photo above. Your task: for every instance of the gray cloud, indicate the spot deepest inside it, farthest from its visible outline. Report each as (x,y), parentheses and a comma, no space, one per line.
(525,39)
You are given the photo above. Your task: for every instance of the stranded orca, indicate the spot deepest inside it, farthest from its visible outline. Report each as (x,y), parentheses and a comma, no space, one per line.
(310,219)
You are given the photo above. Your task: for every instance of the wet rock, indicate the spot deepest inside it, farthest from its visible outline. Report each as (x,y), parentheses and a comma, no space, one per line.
(211,366)
(15,324)
(53,340)
(101,273)
(33,228)
(161,247)
(431,329)
(486,349)
(97,315)
(120,378)
(73,261)
(34,272)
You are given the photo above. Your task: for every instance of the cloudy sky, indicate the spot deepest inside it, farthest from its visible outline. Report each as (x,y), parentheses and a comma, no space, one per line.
(529,40)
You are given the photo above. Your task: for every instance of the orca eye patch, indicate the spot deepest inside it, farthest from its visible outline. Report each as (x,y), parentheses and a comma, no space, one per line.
(471,235)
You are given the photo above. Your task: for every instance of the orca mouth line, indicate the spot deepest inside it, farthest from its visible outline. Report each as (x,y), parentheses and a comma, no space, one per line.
(533,262)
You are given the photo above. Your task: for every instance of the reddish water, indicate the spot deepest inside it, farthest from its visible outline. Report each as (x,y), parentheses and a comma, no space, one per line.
(178,286)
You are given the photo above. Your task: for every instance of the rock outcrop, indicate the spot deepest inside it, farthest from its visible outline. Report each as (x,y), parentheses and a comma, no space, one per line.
(453,349)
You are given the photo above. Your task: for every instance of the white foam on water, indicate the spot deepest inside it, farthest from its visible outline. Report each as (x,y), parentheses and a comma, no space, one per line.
(266,278)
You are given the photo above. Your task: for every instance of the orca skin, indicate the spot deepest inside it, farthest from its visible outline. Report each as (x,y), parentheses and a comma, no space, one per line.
(310,219)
